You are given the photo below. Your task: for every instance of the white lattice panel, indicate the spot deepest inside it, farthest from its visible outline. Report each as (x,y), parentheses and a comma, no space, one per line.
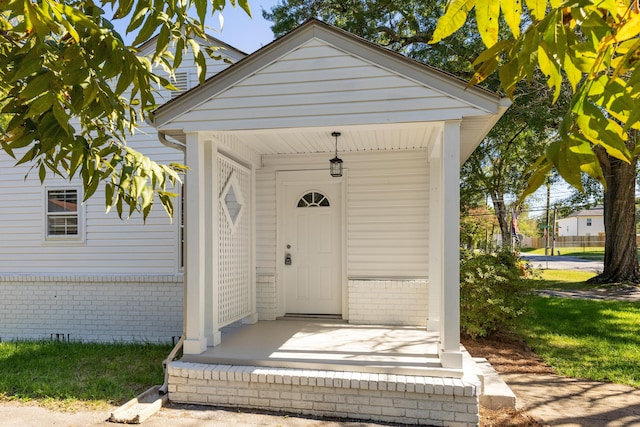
(234,262)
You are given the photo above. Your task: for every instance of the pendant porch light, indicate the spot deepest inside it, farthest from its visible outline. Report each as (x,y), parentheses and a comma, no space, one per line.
(335,164)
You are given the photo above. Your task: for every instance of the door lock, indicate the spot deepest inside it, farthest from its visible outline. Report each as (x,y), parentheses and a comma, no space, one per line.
(287,259)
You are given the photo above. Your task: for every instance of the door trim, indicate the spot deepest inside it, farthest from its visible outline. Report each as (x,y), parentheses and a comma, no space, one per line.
(313,176)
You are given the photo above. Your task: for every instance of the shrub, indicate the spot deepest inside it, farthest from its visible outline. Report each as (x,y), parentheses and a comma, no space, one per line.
(493,292)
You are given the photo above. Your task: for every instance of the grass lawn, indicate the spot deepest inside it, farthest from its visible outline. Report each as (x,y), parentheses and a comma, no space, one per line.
(591,254)
(67,374)
(596,340)
(591,339)
(562,279)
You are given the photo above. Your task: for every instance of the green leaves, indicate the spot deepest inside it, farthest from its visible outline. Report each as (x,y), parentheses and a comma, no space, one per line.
(593,46)
(72,91)
(454,17)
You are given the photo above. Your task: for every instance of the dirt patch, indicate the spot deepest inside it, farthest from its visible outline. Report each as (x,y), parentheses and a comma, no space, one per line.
(506,417)
(507,354)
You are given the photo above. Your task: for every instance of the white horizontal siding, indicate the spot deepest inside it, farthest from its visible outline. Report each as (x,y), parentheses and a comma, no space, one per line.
(317,84)
(265,222)
(111,245)
(387,211)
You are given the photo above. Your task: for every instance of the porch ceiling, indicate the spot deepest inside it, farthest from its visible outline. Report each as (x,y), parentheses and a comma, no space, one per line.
(319,140)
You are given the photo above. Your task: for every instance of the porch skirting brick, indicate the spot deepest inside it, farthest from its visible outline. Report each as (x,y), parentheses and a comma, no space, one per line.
(99,308)
(381,397)
(389,301)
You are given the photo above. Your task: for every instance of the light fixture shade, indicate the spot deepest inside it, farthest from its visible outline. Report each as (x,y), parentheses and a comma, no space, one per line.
(335,166)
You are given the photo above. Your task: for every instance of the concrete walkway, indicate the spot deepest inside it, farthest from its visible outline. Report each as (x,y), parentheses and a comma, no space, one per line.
(18,415)
(618,293)
(560,401)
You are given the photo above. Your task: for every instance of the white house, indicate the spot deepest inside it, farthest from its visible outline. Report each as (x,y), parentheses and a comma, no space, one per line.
(68,270)
(303,291)
(585,222)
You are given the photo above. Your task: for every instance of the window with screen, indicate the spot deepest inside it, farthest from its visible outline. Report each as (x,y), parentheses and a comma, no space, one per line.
(62,213)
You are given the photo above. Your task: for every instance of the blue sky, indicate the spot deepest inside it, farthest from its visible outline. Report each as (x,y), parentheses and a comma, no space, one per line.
(242,32)
(239,30)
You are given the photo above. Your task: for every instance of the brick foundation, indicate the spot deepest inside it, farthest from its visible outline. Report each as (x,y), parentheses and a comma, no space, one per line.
(127,308)
(388,398)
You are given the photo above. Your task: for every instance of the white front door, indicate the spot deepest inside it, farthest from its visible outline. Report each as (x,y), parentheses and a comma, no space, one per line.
(312,243)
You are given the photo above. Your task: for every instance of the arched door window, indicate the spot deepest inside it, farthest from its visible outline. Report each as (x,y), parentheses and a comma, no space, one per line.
(313,199)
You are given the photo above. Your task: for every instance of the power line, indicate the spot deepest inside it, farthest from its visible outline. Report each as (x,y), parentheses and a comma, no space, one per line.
(524,210)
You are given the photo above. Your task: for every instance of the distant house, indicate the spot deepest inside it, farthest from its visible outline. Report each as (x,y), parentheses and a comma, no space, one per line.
(585,222)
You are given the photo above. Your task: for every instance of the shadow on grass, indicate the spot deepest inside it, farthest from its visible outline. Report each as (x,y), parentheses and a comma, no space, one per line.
(88,372)
(597,340)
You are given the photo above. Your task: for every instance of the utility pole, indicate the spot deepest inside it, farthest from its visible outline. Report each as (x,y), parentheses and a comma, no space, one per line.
(553,241)
(546,243)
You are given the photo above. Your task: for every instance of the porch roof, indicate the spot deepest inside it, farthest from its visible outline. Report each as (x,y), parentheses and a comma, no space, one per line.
(289,96)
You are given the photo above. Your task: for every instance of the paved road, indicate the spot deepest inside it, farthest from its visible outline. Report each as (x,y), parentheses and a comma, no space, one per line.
(563,263)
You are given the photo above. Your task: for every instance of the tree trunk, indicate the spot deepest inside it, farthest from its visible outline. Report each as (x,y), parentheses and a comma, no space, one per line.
(620,247)
(500,210)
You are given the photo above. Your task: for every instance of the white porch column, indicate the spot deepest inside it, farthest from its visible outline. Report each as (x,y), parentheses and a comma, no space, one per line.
(450,354)
(213,334)
(435,236)
(253,317)
(195,237)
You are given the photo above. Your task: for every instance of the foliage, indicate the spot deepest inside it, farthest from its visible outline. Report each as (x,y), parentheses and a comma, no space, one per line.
(500,166)
(593,45)
(477,226)
(73,90)
(493,292)
(596,340)
(404,27)
(70,372)
(527,225)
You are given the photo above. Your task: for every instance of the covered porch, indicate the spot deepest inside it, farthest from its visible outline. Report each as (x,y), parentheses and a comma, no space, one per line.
(378,249)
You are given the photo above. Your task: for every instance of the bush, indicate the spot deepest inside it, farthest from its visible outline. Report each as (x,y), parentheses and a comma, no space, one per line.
(493,292)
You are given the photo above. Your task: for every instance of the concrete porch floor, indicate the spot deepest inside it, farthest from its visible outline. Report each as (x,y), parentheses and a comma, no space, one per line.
(328,345)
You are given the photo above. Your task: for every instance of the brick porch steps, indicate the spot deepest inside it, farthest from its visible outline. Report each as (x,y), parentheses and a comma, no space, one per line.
(409,399)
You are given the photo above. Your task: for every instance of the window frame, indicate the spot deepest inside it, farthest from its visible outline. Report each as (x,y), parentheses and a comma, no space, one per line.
(589,222)
(80,213)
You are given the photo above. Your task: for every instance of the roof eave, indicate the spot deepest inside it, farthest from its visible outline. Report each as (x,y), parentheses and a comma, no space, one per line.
(482,99)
